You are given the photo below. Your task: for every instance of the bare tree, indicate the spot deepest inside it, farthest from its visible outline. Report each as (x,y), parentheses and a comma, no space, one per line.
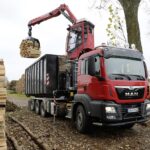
(20,85)
(116,30)
(130,8)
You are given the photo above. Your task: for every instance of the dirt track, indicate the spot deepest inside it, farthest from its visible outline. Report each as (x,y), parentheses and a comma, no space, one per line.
(63,136)
(19,101)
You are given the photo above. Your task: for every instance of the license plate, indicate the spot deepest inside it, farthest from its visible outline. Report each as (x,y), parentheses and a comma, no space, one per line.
(132,110)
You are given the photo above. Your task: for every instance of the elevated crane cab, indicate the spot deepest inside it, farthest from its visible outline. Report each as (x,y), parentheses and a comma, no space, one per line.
(80,39)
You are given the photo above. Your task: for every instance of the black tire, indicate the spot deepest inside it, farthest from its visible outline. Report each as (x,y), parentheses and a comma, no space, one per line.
(127,126)
(82,121)
(32,105)
(37,107)
(43,112)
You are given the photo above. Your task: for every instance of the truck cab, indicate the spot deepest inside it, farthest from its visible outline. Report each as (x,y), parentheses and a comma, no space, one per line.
(112,88)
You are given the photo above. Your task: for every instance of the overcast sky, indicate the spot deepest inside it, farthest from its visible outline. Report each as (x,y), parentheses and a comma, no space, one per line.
(15,14)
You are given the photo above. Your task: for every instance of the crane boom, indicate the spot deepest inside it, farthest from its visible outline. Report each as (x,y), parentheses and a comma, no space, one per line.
(56,12)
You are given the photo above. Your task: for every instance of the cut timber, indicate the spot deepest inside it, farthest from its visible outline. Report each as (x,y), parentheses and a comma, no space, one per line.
(3,96)
(2,78)
(30,48)
(2,70)
(2,91)
(41,145)
(3,99)
(63,65)
(2,84)
(2,129)
(1,62)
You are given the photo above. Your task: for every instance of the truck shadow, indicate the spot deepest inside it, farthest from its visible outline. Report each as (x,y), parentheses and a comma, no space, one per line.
(111,132)
(101,131)
(108,132)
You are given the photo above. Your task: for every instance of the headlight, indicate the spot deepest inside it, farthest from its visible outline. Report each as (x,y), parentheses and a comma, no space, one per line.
(112,113)
(148,107)
(110,109)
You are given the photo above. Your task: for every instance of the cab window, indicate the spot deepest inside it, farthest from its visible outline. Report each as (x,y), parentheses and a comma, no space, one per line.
(75,38)
(91,64)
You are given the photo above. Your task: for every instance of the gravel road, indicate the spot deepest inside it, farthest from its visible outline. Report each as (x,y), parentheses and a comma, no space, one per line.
(62,135)
(19,101)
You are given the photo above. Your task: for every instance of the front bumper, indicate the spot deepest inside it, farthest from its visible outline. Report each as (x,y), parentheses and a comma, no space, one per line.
(112,114)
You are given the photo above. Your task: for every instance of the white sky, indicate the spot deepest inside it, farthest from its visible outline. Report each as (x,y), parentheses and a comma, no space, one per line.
(15,14)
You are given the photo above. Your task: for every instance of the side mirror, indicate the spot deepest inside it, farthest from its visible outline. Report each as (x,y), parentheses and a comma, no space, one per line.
(146,71)
(91,66)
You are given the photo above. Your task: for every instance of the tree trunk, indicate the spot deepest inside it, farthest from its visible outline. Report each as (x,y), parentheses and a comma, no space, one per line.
(130,8)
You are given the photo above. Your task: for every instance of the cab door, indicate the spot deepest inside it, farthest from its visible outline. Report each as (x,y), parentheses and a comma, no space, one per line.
(90,79)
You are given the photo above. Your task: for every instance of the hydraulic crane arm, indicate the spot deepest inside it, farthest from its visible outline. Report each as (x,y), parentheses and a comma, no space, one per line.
(30,48)
(56,12)
(79,39)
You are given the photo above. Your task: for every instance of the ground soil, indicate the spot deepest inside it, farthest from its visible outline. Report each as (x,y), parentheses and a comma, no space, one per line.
(62,134)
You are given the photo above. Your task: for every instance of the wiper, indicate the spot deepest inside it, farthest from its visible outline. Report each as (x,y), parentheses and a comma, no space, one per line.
(123,75)
(140,77)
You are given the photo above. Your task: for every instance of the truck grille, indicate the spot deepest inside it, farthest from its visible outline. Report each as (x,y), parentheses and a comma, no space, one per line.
(130,92)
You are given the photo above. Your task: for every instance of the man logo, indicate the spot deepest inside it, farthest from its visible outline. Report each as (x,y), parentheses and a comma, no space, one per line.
(131,94)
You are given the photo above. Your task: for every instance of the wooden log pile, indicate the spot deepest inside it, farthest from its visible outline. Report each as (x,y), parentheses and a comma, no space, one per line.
(30,48)
(3,96)
(63,65)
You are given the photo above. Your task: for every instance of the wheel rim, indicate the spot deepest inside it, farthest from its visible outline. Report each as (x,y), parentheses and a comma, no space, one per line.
(42,110)
(37,107)
(32,105)
(79,120)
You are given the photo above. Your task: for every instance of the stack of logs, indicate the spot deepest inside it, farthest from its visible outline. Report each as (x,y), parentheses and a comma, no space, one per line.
(30,48)
(3,96)
(63,65)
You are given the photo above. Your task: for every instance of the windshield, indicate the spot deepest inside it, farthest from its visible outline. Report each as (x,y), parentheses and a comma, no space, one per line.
(121,68)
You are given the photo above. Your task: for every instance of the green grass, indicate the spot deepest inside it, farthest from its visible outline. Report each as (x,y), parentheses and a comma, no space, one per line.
(18,95)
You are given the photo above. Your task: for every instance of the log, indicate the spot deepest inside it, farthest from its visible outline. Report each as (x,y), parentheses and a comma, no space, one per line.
(3,96)
(42,145)
(14,141)
(30,48)
(1,62)
(63,65)
(2,72)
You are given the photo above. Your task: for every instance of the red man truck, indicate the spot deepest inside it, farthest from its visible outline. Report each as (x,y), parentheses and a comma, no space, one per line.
(106,85)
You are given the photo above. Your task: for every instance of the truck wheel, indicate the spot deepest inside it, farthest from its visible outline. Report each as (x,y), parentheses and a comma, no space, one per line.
(81,121)
(32,105)
(37,107)
(42,110)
